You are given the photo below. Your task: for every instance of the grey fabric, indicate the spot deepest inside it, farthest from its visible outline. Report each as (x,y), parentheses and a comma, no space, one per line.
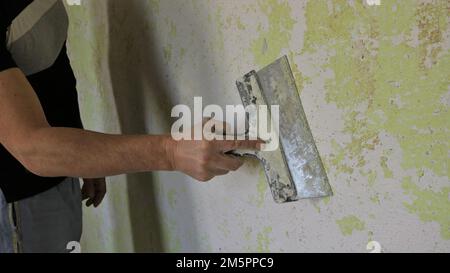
(6,228)
(37,35)
(45,223)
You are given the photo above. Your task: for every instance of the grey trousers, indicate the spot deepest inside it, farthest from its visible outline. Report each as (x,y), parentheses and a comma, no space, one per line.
(45,223)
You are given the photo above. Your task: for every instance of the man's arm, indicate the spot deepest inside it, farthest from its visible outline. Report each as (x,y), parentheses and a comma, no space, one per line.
(52,152)
(47,151)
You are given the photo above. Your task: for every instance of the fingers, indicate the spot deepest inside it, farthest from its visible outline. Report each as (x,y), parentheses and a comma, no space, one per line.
(205,176)
(207,170)
(229,145)
(100,192)
(205,159)
(89,202)
(88,190)
(218,127)
(214,129)
(219,172)
(214,162)
(94,191)
(228,163)
(218,166)
(221,127)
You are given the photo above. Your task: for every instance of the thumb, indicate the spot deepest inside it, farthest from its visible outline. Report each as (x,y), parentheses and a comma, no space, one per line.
(88,190)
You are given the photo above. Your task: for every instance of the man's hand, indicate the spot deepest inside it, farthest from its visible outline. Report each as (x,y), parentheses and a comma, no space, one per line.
(203,160)
(93,191)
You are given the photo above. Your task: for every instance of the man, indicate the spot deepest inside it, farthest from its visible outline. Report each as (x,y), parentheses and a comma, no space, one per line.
(44,148)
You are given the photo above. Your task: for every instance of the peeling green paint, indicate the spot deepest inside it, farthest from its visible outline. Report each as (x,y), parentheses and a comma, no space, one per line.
(173,30)
(372,176)
(220,26)
(171,197)
(277,36)
(263,240)
(337,158)
(154,4)
(381,85)
(182,53)
(261,188)
(349,224)
(239,24)
(429,205)
(383,163)
(299,78)
(168,53)
(375,198)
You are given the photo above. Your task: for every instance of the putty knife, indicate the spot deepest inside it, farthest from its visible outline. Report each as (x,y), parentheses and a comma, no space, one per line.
(295,170)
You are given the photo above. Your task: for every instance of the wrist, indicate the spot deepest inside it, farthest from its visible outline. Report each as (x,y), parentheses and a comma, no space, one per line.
(170,147)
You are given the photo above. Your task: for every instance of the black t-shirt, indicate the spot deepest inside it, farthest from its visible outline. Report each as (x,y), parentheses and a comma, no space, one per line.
(33,39)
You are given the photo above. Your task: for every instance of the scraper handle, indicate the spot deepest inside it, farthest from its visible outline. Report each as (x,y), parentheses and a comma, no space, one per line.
(243,153)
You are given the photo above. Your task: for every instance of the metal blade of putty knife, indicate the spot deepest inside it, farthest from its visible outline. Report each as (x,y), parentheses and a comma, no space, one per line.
(294,171)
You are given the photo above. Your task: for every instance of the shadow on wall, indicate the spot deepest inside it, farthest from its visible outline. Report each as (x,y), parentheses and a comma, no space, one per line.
(141,95)
(134,72)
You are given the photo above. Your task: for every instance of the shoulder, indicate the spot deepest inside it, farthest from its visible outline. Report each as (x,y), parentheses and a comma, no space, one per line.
(9,10)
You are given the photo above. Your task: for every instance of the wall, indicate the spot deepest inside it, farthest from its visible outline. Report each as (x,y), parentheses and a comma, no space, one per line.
(374,83)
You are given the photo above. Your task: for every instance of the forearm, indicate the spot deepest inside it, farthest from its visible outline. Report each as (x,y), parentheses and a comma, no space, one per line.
(53,152)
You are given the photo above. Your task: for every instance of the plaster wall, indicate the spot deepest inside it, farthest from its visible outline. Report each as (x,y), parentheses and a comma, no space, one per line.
(374,81)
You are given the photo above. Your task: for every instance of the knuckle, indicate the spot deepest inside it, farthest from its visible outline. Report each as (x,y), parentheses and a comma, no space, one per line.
(205,177)
(206,145)
(237,166)
(237,163)
(203,164)
(205,158)
(199,178)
